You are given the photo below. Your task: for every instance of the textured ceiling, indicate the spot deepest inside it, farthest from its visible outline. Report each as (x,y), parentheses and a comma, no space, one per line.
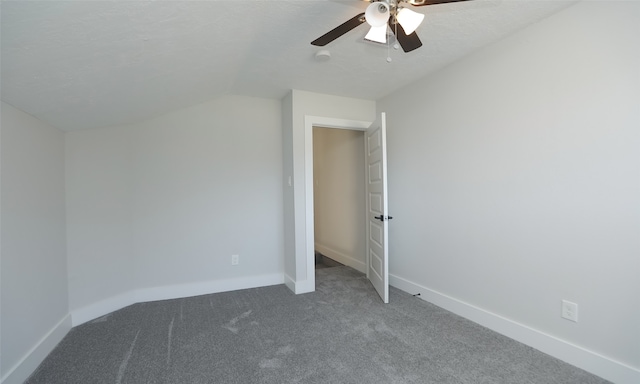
(88,64)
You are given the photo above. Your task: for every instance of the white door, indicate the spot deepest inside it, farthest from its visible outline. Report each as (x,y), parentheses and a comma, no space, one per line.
(378,219)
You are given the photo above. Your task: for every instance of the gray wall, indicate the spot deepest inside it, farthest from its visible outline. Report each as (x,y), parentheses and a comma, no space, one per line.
(514,180)
(34,308)
(156,209)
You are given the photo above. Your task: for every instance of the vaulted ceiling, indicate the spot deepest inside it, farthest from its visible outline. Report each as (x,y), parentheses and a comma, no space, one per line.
(87,64)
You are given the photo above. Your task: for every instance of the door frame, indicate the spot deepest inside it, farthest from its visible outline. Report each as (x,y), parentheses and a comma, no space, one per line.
(309,123)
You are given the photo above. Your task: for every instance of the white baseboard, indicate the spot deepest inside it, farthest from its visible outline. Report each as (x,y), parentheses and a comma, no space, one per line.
(103,307)
(590,361)
(25,367)
(342,258)
(290,283)
(207,287)
(299,287)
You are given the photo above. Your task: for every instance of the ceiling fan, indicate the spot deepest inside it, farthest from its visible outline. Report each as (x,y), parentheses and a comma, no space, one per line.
(383,14)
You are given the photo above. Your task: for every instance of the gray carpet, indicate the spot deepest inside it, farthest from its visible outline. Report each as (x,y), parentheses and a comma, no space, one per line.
(341,333)
(323,261)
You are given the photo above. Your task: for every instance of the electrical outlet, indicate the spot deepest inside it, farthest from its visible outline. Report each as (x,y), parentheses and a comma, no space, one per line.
(570,310)
(235,259)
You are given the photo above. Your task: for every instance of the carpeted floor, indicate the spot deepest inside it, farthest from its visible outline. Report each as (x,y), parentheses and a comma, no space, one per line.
(323,261)
(342,333)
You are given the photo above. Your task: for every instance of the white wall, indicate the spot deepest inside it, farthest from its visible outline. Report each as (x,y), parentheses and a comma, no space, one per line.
(296,106)
(156,209)
(339,195)
(288,190)
(515,183)
(99,214)
(34,308)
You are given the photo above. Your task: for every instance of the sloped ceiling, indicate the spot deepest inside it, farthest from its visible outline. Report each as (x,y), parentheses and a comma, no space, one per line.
(88,64)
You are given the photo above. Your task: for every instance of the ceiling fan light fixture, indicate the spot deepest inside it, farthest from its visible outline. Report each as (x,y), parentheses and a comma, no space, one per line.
(377,14)
(409,20)
(377,34)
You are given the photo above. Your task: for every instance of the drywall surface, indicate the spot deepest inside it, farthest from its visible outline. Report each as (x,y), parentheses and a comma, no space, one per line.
(100,181)
(34,265)
(301,104)
(167,202)
(339,195)
(514,178)
(287,185)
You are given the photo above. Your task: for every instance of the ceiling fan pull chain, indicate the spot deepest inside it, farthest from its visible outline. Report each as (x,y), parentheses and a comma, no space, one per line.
(395,43)
(396,46)
(388,50)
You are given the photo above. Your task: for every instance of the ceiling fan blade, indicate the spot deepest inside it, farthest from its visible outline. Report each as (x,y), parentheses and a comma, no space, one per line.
(339,30)
(407,42)
(420,3)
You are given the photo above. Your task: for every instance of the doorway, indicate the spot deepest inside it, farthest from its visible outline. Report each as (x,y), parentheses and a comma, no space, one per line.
(306,259)
(339,198)
(377,253)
